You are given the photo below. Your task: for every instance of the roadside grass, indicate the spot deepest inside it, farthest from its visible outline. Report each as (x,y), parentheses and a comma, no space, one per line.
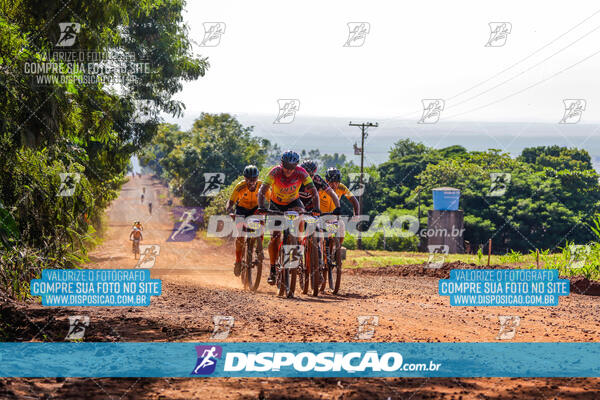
(572,260)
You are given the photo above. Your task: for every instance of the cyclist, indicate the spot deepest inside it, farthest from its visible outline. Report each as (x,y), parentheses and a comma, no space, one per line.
(285,180)
(311,167)
(135,236)
(150,208)
(244,199)
(333,176)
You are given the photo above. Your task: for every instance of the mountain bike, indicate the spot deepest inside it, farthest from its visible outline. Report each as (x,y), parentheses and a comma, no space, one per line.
(251,267)
(135,247)
(331,265)
(310,275)
(289,262)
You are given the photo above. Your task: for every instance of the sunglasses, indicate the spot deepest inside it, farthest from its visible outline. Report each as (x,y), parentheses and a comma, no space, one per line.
(289,167)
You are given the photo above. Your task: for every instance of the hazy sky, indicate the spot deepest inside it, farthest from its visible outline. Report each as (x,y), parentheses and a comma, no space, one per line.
(414,50)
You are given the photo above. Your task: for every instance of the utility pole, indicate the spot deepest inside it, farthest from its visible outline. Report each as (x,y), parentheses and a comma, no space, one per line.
(363,129)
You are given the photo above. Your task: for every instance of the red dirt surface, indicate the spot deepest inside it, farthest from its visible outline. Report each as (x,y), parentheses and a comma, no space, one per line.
(198,283)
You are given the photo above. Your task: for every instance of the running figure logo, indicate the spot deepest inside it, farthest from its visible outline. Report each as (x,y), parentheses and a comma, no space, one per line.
(77,325)
(437,255)
(212,183)
(207,359)
(292,255)
(432,109)
(212,34)
(499,183)
(357,33)
(185,230)
(287,111)
(508,326)
(357,188)
(148,254)
(574,109)
(68,33)
(68,181)
(498,33)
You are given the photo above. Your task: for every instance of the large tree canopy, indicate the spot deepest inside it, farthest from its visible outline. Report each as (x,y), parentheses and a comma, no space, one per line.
(73,124)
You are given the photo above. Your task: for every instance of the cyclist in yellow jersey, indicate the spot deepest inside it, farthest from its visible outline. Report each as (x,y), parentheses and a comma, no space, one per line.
(285,181)
(333,176)
(245,200)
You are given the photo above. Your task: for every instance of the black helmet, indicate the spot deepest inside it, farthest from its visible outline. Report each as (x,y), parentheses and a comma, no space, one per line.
(250,172)
(310,166)
(333,175)
(290,157)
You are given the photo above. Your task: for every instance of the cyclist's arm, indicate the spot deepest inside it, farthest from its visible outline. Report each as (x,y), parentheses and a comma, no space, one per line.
(331,193)
(355,204)
(312,189)
(262,195)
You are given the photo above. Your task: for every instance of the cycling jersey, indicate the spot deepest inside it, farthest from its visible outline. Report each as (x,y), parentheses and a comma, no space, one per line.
(326,201)
(243,197)
(306,196)
(284,189)
(136,234)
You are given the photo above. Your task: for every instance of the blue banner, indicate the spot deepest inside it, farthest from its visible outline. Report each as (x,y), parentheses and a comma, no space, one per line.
(300,359)
(504,287)
(96,287)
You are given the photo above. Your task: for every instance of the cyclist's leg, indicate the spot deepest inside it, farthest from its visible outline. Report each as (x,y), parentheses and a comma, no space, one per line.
(274,245)
(239,241)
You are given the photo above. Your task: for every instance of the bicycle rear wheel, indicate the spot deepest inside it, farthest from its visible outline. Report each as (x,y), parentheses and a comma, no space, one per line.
(315,274)
(288,275)
(254,267)
(246,262)
(335,269)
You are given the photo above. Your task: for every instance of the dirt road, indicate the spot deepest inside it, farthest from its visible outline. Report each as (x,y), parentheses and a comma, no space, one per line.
(198,283)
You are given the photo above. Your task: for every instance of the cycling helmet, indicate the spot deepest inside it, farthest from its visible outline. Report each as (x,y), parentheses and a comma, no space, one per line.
(250,172)
(310,166)
(290,157)
(333,175)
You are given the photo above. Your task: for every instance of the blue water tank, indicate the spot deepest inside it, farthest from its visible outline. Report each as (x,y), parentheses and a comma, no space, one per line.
(446,199)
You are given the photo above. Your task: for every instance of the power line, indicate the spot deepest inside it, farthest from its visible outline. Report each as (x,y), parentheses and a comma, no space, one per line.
(525,58)
(528,87)
(525,71)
